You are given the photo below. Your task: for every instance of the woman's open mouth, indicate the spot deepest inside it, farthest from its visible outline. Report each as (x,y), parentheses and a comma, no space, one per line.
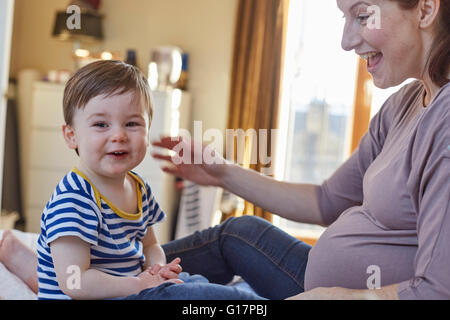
(373,60)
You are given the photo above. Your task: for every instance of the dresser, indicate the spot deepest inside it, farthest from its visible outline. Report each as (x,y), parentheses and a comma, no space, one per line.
(45,158)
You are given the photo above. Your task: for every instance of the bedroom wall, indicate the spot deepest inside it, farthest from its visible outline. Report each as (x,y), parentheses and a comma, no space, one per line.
(203,28)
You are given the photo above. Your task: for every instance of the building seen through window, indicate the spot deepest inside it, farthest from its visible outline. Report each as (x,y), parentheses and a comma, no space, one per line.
(318,97)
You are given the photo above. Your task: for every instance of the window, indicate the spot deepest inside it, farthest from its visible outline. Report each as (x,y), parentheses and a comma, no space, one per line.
(317,99)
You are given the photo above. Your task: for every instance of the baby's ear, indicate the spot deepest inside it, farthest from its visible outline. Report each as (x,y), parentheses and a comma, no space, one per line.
(69,136)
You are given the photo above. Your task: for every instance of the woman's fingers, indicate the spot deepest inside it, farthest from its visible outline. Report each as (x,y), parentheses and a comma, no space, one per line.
(172,170)
(162,157)
(167,142)
(175,159)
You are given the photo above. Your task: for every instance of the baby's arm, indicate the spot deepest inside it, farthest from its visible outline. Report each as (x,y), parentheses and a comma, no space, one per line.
(153,252)
(71,259)
(155,258)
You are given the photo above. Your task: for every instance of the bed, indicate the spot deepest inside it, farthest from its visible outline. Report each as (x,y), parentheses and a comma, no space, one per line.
(11,287)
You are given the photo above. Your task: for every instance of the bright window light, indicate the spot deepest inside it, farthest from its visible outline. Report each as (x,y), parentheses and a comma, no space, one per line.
(317,97)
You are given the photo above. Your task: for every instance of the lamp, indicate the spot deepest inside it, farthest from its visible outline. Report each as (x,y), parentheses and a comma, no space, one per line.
(90,29)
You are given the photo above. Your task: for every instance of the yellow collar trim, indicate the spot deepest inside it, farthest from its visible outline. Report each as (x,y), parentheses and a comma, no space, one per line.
(119,212)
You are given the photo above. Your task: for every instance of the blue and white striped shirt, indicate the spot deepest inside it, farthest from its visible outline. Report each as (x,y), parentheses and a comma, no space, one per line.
(76,208)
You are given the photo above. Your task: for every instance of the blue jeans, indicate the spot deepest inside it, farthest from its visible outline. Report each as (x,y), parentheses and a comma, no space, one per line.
(272,262)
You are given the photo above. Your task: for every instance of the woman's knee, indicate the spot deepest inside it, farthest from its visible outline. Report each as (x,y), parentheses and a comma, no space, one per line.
(245,225)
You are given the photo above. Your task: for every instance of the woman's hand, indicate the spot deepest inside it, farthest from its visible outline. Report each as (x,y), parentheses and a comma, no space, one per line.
(337,293)
(192,161)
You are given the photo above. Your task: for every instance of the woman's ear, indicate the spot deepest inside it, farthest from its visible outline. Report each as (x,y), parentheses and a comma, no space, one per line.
(428,11)
(69,136)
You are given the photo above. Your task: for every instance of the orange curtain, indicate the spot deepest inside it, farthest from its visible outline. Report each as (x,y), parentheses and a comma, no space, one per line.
(362,104)
(258,59)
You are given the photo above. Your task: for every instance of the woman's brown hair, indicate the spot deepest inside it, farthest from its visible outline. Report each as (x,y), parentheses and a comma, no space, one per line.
(439,57)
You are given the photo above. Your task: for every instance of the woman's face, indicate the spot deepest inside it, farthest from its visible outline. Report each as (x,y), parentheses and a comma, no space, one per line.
(386,36)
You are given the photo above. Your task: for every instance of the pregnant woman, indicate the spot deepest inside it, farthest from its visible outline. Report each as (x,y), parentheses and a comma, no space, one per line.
(386,208)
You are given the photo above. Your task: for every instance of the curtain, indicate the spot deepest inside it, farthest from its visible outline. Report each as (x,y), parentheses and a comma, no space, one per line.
(256,80)
(362,104)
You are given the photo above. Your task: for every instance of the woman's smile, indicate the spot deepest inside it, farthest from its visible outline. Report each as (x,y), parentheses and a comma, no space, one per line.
(373,61)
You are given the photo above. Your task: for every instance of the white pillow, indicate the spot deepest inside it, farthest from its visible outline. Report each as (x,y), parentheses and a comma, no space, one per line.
(11,287)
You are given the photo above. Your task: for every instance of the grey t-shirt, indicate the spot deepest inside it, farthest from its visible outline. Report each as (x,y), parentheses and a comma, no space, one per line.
(387,206)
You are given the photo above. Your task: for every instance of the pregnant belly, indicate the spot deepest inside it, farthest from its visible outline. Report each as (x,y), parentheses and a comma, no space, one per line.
(354,252)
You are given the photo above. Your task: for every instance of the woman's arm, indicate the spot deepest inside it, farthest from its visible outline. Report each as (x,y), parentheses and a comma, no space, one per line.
(297,202)
(71,259)
(293,201)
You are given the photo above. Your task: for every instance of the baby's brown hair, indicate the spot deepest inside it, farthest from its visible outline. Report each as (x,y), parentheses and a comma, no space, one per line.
(105,77)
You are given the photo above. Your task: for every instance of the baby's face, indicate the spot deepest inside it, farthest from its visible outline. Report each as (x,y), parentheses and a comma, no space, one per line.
(111,134)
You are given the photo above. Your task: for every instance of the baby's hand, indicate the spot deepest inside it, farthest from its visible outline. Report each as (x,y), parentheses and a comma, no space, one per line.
(168,271)
(149,280)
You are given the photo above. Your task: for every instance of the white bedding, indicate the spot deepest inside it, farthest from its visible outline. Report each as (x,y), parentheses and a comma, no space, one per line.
(11,287)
